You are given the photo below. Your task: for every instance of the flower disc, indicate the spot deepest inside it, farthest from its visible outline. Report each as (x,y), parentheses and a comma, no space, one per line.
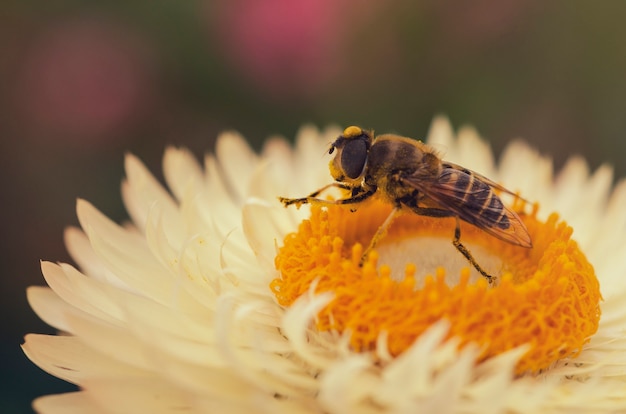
(546,297)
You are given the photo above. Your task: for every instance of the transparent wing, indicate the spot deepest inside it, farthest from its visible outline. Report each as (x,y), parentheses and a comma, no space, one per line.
(484,179)
(470,196)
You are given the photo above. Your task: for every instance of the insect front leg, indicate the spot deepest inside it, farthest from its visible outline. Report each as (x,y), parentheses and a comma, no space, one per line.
(311,197)
(358,195)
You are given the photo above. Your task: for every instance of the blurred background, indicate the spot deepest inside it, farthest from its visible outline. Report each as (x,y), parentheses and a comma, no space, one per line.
(83,82)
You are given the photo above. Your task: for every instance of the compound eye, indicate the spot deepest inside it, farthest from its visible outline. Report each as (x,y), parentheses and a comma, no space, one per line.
(353,157)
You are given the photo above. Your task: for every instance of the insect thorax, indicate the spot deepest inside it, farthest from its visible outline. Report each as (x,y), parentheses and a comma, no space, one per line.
(392,158)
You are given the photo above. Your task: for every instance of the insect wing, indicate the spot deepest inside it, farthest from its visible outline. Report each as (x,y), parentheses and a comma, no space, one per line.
(484,179)
(472,199)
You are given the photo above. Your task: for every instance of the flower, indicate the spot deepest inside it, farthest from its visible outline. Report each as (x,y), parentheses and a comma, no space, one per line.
(175,311)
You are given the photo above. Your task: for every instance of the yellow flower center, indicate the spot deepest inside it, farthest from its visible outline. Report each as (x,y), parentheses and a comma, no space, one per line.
(546,297)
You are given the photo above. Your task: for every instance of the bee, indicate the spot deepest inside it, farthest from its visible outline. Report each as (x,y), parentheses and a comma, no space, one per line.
(409,175)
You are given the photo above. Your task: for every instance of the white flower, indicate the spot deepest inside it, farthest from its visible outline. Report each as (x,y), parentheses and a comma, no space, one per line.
(174,312)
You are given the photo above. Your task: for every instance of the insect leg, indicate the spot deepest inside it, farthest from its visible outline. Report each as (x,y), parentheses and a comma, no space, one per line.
(461,248)
(305,200)
(311,199)
(456,241)
(379,233)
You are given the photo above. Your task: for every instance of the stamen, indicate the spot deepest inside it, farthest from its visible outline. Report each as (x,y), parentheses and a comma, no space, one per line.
(546,297)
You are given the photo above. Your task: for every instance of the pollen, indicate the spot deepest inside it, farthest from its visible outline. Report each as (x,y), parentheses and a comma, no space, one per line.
(546,297)
(352,131)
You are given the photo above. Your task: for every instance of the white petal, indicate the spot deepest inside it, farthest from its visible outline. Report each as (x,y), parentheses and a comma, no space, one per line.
(49,306)
(236,162)
(442,134)
(258,227)
(220,206)
(523,170)
(569,182)
(141,191)
(70,403)
(71,360)
(591,207)
(90,264)
(81,292)
(135,395)
(347,386)
(295,323)
(475,153)
(125,254)
(183,174)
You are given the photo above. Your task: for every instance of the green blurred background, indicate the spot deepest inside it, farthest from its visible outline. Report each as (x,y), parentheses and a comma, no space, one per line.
(83,82)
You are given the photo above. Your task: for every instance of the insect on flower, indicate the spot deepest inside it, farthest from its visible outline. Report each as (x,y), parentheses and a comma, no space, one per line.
(409,175)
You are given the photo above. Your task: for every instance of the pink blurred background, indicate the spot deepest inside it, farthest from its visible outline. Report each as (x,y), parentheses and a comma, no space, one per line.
(83,82)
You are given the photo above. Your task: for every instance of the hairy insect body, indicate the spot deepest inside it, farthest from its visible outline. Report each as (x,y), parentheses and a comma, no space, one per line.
(392,160)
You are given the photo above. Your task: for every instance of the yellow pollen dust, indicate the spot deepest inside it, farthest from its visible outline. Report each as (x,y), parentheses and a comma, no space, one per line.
(548,297)
(352,131)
